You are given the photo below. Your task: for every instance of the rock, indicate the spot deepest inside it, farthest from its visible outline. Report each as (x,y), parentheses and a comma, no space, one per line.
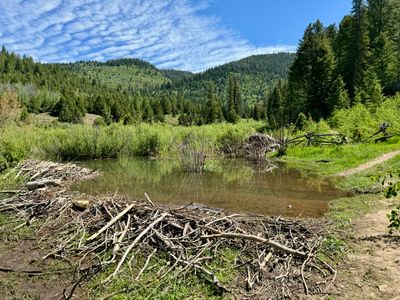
(383,288)
(81,204)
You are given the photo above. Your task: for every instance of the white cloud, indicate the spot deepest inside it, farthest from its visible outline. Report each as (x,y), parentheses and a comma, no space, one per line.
(168,33)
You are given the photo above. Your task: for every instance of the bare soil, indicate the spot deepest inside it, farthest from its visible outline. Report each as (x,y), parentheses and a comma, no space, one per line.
(369,164)
(24,275)
(371,269)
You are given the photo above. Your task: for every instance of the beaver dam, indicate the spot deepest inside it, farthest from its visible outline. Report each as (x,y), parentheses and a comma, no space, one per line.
(275,257)
(231,184)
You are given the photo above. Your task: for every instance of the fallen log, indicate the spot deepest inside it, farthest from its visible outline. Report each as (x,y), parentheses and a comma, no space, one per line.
(34,185)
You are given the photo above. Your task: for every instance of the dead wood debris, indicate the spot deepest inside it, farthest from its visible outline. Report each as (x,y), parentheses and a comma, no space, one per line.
(277,256)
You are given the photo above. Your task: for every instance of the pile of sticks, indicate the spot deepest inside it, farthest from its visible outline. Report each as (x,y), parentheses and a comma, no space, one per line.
(276,257)
(254,148)
(258,145)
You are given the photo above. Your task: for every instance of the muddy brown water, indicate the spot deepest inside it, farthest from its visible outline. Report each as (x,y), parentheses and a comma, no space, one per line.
(233,185)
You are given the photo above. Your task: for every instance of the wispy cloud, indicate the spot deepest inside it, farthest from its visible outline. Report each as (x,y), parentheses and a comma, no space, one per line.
(167,33)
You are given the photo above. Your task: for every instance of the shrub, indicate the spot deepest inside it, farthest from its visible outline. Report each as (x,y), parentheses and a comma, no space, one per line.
(99,122)
(388,112)
(356,123)
(9,107)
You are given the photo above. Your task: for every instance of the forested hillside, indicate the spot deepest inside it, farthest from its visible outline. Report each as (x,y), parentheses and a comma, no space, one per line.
(51,88)
(176,75)
(132,90)
(129,74)
(255,74)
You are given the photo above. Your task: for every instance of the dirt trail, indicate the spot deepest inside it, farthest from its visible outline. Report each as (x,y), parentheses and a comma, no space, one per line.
(371,270)
(369,164)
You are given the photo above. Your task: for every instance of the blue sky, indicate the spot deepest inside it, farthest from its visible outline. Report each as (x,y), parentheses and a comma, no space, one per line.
(183,34)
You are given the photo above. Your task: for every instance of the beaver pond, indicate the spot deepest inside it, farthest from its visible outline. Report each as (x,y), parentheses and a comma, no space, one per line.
(234,185)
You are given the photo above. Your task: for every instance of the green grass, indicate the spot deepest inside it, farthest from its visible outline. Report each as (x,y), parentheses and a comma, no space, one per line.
(343,212)
(172,286)
(81,142)
(340,158)
(373,180)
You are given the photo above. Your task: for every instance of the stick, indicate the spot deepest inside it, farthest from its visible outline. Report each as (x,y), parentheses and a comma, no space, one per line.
(204,270)
(148,199)
(109,224)
(9,270)
(265,261)
(148,228)
(257,239)
(118,244)
(10,191)
(145,265)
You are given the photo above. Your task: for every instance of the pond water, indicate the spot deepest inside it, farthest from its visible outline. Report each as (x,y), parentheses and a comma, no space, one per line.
(233,185)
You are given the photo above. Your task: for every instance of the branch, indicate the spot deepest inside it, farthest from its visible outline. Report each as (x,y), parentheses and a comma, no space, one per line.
(148,228)
(109,224)
(273,244)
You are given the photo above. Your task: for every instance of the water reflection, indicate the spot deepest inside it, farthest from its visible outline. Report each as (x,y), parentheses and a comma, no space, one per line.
(233,185)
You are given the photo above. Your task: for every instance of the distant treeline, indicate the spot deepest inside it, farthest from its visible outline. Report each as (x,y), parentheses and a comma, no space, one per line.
(63,92)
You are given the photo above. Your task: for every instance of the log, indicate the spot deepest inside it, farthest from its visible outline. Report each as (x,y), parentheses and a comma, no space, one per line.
(10,191)
(109,224)
(273,244)
(34,185)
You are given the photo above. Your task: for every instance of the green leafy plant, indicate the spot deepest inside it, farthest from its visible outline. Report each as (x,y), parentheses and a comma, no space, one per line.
(394,216)
(394,219)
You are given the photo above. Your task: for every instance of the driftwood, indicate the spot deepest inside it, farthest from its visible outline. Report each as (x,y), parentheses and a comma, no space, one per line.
(109,224)
(33,185)
(275,256)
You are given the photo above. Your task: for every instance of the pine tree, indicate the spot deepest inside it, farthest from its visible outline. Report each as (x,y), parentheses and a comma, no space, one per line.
(382,32)
(70,108)
(343,52)
(275,103)
(384,59)
(377,17)
(233,101)
(311,74)
(359,45)
(370,92)
(158,110)
(147,111)
(238,98)
(213,111)
(338,97)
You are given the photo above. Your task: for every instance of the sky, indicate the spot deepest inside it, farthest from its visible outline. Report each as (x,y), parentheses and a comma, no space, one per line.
(191,35)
